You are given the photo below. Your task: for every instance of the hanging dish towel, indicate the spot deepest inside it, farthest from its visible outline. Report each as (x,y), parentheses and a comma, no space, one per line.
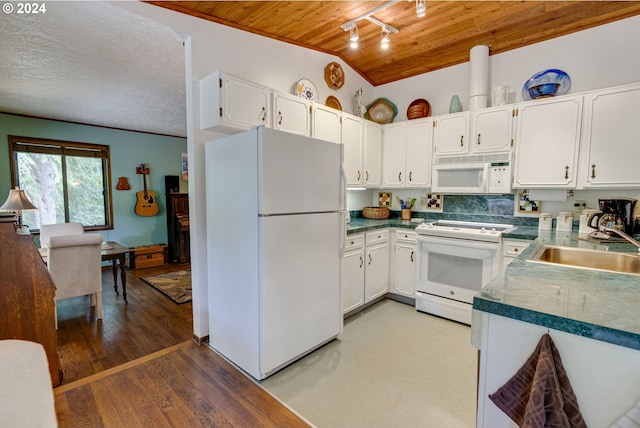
(539,394)
(630,420)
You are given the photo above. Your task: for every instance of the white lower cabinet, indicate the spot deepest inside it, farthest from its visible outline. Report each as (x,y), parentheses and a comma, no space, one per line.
(376,277)
(352,279)
(365,268)
(404,263)
(512,248)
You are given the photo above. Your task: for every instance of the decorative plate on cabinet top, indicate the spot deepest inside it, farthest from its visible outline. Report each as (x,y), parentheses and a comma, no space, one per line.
(381,110)
(306,89)
(547,83)
(333,102)
(418,109)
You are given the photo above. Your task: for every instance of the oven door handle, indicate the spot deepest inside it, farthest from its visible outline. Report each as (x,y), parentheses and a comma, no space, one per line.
(464,243)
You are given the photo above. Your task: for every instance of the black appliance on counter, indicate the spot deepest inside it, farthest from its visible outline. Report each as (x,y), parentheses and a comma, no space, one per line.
(617,213)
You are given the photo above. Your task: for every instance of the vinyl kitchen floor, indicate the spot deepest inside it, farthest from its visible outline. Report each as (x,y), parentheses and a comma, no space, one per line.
(392,367)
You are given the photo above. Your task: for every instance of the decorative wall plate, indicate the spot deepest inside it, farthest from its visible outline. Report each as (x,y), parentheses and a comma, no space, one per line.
(334,75)
(306,89)
(546,83)
(333,102)
(381,110)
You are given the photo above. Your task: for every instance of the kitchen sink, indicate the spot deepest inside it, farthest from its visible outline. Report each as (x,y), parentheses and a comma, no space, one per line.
(587,259)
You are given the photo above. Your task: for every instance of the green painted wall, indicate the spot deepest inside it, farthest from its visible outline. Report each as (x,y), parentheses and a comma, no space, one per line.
(128,150)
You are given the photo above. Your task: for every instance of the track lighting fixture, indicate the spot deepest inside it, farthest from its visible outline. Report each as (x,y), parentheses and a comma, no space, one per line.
(351,26)
(353,36)
(384,40)
(421,8)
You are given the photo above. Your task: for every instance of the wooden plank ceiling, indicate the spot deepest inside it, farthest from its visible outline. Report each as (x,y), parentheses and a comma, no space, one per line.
(441,39)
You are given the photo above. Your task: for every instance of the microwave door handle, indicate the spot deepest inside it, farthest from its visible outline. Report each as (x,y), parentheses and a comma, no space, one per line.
(485,178)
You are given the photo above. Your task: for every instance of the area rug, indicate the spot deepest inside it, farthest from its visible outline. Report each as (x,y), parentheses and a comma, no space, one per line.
(175,285)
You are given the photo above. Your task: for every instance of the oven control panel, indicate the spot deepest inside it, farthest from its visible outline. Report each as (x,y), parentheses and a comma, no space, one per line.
(499,177)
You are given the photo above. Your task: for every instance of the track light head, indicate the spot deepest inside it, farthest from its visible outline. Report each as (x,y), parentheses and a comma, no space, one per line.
(385,39)
(421,8)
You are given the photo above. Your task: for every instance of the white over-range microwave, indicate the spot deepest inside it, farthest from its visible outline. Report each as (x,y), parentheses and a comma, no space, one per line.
(472,174)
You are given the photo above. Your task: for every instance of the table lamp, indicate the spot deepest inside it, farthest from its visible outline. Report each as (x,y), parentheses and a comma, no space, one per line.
(16,203)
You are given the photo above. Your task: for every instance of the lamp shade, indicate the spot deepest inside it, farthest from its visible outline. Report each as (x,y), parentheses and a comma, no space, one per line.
(17,201)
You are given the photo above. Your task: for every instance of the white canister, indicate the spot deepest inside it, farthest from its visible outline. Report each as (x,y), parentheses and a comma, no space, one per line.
(564,222)
(545,222)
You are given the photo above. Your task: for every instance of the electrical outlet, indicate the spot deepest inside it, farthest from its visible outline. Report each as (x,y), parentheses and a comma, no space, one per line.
(423,201)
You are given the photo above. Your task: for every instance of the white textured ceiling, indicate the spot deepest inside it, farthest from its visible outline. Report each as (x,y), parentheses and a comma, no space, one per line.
(94,63)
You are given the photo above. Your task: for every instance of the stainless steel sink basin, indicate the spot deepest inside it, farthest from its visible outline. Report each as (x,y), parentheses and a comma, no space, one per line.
(587,259)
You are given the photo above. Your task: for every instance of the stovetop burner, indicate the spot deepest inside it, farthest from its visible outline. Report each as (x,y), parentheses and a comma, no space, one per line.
(464,230)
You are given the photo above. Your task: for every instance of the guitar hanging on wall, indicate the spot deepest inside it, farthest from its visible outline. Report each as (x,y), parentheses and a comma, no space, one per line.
(146,205)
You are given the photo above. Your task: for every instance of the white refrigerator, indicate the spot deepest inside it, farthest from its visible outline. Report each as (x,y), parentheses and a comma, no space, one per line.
(275,234)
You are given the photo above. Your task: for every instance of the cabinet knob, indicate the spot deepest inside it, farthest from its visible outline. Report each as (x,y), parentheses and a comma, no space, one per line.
(593,171)
(515,250)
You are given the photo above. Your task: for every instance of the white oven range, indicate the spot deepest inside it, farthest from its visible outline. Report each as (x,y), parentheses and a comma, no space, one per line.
(455,260)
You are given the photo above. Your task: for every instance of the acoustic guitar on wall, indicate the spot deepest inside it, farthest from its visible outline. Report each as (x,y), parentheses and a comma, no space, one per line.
(146,205)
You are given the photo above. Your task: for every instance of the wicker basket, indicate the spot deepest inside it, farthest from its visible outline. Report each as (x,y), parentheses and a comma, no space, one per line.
(376,213)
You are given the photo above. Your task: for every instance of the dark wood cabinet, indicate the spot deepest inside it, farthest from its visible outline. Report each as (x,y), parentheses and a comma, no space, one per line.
(178,227)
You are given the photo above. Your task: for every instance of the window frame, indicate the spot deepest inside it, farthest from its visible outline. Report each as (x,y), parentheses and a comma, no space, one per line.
(18,144)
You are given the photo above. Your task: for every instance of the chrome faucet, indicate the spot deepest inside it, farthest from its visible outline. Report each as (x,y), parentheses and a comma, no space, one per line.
(621,234)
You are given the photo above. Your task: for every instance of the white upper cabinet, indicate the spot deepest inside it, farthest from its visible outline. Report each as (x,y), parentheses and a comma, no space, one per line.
(491,129)
(326,123)
(419,149)
(451,134)
(372,139)
(546,146)
(407,153)
(352,142)
(393,154)
(291,114)
(610,148)
(232,104)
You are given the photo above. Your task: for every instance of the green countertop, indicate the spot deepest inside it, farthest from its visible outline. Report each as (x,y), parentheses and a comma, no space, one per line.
(598,305)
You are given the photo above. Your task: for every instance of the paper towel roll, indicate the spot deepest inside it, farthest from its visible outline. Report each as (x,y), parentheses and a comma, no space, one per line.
(479,76)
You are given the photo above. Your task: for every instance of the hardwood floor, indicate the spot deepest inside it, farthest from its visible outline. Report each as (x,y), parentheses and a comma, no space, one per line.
(138,367)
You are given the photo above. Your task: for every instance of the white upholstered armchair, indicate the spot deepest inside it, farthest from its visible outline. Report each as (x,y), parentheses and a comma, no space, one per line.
(75,264)
(49,230)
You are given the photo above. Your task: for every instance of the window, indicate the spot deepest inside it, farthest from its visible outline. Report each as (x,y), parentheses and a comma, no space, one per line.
(67,181)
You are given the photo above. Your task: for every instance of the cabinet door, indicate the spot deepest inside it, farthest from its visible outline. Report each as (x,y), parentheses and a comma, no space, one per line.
(326,123)
(352,142)
(419,147)
(405,270)
(244,103)
(491,130)
(372,154)
(393,155)
(352,282)
(376,271)
(546,146)
(611,139)
(451,134)
(291,114)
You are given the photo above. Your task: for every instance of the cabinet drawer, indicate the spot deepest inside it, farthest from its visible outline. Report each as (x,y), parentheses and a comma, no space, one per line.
(354,241)
(377,236)
(407,236)
(514,248)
